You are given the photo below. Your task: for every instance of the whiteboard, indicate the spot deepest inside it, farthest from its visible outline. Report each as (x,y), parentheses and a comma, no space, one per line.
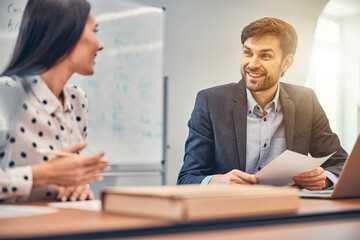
(10,18)
(126,92)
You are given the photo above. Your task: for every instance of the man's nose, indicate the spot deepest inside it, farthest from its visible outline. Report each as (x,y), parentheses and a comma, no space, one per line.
(254,62)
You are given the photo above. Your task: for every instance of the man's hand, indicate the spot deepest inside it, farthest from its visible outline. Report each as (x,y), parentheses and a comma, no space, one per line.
(235,176)
(312,180)
(75,193)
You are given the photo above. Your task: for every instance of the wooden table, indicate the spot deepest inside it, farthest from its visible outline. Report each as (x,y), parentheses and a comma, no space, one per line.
(315,219)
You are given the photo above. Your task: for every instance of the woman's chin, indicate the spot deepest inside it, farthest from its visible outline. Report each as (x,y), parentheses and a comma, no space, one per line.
(86,72)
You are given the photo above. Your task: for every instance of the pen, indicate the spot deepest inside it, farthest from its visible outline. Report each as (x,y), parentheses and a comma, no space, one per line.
(68,154)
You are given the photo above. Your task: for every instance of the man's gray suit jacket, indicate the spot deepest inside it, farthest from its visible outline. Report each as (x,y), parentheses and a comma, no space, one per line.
(217,131)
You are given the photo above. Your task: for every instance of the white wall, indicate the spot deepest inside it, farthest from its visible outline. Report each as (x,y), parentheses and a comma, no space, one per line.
(350,80)
(202,49)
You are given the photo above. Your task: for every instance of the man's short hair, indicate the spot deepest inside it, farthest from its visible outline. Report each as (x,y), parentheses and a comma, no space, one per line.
(283,30)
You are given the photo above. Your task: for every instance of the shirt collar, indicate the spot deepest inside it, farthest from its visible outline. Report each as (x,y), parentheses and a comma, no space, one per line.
(67,104)
(45,96)
(254,108)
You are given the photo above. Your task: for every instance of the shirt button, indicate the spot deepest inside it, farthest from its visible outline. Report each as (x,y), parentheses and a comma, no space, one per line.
(250,112)
(265,145)
(257,108)
(259,168)
(264,119)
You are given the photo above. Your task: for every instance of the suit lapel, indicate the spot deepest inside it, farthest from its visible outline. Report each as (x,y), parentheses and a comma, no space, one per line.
(289,117)
(240,121)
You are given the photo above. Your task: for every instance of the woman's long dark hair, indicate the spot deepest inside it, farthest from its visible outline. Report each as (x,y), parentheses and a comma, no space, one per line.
(48,32)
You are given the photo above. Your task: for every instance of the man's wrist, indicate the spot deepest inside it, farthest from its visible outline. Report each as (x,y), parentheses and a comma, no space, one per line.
(212,180)
(206,180)
(215,179)
(331,179)
(328,183)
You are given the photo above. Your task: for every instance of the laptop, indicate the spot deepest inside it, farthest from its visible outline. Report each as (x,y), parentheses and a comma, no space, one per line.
(349,179)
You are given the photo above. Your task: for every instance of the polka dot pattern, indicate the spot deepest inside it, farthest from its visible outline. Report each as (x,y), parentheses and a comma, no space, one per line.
(45,125)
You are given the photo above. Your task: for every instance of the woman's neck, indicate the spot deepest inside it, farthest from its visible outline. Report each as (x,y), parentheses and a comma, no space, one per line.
(56,78)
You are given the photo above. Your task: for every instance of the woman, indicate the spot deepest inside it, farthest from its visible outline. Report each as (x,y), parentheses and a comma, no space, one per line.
(57,38)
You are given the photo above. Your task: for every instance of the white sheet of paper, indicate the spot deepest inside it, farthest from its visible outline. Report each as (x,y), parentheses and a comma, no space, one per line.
(90,205)
(280,171)
(10,211)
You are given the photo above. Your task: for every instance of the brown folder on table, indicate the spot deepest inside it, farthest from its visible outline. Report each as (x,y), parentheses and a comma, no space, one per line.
(194,202)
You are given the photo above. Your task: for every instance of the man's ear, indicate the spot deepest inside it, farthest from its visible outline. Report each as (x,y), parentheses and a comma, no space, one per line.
(287,62)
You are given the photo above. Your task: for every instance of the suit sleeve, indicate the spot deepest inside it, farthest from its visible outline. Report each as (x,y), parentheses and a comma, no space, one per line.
(199,146)
(325,142)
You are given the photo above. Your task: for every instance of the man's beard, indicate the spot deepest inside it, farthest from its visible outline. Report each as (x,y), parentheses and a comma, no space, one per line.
(266,83)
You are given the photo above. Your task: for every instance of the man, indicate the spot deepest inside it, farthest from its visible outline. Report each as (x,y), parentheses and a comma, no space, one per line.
(237,129)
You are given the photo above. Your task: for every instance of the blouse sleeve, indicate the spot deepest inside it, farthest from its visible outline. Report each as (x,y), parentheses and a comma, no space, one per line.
(14,182)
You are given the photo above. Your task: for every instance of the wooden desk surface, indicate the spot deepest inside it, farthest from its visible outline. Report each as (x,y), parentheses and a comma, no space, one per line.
(100,225)
(328,230)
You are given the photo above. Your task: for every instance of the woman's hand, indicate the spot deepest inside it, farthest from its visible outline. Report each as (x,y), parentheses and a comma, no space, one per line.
(70,171)
(75,193)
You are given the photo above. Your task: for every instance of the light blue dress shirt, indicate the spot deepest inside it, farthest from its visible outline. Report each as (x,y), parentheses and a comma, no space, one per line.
(265,136)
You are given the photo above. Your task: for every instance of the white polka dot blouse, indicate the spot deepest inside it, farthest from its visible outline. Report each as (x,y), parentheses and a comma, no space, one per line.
(35,120)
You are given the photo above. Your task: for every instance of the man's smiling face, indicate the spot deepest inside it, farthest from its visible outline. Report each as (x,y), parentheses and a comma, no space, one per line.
(262,62)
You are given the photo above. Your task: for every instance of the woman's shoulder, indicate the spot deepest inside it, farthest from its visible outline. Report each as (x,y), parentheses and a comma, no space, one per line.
(75,91)
(10,86)
(10,82)
(77,98)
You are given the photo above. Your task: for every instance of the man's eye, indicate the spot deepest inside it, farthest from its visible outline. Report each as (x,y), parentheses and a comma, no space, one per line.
(266,56)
